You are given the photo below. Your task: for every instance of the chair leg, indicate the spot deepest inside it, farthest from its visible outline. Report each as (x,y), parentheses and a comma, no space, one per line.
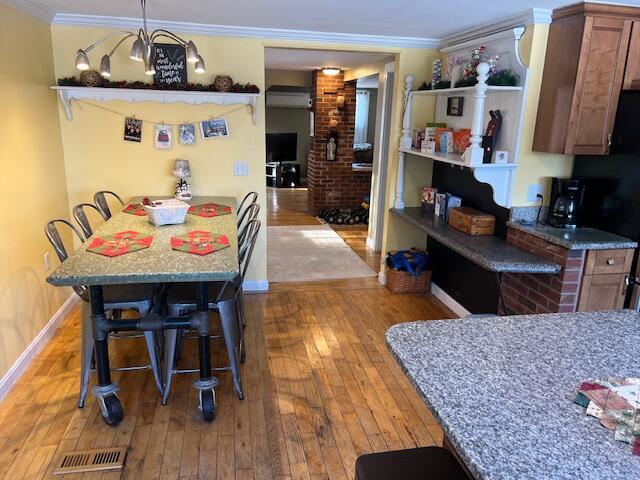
(152,348)
(86,353)
(229,322)
(171,337)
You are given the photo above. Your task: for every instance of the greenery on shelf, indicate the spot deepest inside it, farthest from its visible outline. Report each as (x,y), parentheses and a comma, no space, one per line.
(442,84)
(424,86)
(504,78)
(466,82)
(194,87)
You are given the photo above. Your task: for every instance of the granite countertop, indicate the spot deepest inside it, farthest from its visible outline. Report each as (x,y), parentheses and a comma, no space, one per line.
(158,263)
(577,238)
(490,252)
(501,389)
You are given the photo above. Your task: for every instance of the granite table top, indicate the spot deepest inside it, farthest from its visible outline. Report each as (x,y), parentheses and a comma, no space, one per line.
(501,388)
(576,238)
(158,263)
(489,252)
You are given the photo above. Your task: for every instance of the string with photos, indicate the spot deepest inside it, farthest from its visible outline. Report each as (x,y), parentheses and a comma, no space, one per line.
(162,122)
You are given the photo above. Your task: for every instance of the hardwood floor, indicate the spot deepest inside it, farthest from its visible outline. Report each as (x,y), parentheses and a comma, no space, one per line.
(320,386)
(288,206)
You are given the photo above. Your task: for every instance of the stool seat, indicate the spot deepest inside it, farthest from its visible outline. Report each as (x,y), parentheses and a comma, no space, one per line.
(426,463)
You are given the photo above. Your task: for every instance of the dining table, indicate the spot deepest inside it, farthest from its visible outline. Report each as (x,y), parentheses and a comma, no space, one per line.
(161,265)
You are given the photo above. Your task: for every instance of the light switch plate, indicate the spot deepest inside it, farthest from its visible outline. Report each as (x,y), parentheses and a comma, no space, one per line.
(532,192)
(240,169)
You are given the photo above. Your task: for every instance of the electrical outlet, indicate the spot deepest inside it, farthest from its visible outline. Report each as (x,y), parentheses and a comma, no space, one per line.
(47,262)
(532,192)
(240,169)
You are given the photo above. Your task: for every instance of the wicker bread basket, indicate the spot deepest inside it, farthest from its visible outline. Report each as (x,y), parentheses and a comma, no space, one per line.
(399,281)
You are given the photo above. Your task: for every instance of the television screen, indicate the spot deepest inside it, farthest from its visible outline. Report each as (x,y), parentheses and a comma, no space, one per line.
(282,147)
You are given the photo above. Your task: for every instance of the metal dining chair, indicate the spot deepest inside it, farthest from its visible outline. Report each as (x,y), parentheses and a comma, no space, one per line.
(100,199)
(81,217)
(249,199)
(181,300)
(116,298)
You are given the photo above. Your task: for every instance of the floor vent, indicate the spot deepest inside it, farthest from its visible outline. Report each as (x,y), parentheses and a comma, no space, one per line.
(91,460)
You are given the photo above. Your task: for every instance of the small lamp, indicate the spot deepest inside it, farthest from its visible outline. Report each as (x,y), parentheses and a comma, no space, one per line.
(182,170)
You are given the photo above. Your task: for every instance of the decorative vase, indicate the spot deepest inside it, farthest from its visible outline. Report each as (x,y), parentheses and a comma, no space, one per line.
(223,83)
(91,78)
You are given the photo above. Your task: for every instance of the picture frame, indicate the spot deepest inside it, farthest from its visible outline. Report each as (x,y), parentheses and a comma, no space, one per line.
(132,130)
(187,134)
(162,136)
(455,106)
(215,128)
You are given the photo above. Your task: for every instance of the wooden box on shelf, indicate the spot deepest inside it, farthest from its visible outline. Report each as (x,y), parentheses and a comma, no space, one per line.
(472,221)
(399,281)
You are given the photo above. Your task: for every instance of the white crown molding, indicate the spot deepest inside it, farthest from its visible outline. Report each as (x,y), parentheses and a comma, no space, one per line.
(540,16)
(31,8)
(252,32)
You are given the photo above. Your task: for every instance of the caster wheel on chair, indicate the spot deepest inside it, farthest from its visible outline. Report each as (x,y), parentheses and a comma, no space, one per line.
(114,411)
(208,404)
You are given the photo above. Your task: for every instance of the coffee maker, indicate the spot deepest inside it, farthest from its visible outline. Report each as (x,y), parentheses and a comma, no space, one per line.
(567,195)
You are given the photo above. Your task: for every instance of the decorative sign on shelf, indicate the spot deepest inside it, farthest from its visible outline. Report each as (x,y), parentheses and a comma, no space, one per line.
(171,65)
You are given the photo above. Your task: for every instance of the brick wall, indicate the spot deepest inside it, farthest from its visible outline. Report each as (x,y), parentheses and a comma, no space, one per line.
(333,184)
(527,293)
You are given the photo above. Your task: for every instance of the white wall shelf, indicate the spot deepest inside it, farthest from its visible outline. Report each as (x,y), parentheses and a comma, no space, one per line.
(479,100)
(100,94)
(464,90)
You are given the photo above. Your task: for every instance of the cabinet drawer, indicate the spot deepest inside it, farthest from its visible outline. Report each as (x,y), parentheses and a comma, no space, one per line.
(601,262)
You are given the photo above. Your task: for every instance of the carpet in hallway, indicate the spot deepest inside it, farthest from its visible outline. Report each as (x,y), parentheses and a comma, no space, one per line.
(311,252)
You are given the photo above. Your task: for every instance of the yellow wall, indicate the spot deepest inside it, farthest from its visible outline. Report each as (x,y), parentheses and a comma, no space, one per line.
(535,167)
(33,188)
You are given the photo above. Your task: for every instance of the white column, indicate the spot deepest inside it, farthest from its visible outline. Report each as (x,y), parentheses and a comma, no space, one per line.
(474,153)
(399,203)
(405,140)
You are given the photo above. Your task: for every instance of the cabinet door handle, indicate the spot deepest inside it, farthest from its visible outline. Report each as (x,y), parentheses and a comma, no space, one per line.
(611,261)
(609,141)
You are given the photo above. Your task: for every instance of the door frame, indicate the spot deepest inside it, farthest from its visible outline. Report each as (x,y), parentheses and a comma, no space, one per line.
(380,168)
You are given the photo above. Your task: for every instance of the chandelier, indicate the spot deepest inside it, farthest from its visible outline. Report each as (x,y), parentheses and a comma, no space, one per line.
(142,50)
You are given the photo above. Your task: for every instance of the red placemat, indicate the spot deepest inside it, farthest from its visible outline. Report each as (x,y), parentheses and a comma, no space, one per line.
(209,210)
(120,243)
(199,242)
(135,209)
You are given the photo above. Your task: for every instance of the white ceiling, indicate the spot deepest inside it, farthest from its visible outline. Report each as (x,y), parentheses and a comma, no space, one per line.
(399,18)
(297,59)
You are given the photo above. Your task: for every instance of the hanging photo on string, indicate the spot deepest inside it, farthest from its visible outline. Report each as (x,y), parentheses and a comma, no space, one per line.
(163,137)
(214,128)
(187,134)
(132,130)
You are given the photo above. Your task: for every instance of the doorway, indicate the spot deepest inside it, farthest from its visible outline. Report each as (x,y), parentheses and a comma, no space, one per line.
(323,147)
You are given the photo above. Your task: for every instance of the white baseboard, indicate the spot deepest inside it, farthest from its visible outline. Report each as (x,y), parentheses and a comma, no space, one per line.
(445,298)
(382,278)
(36,346)
(369,243)
(255,286)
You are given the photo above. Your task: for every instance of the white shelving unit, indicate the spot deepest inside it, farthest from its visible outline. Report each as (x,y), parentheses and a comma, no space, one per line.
(478,100)
(100,94)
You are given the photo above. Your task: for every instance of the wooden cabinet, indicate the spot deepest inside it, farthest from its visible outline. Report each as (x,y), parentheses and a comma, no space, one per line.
(632,71)
(583,74)
(605,280)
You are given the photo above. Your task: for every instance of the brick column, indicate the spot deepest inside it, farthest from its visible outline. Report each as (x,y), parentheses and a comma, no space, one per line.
(527,293)
(333,184)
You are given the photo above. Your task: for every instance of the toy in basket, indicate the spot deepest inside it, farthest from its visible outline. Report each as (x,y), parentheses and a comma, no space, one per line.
(408,271)
(165,212)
